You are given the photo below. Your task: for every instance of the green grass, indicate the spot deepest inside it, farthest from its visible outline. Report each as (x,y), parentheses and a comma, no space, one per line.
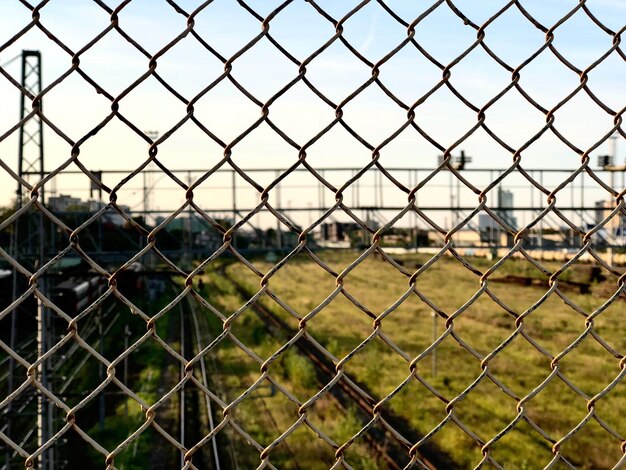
(484,325)
(266,415)
(146,369)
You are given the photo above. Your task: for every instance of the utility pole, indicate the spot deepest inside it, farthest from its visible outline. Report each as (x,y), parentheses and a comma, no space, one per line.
(458,164)
(31,170)
(279,237)
(190,227)
(607,163)
(234,196)
(127,334)
(148,181)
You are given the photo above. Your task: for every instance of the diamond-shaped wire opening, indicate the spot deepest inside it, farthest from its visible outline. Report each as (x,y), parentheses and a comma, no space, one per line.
(113,73)
(502,37)
(485,314)
(598,367)
(189,66)
(328,152)
(75,26)
(373,115)
(139,450)
(299,29)
(500,122)
(303,444)
(503,451)
(451,432)
(182,152)
(337,72)
(546,408)
(22,15)
(263,82)
(363,367)
(443,44)
(555,330)
(373,33)
(590,436)
(317,117)
(547,94)
(140,18)
(340,326)
(259,145)
(591,125)
(596,41)
(458,118)
(470,75)
(602,75)
(409,75)
(228,28)
(149,99)
(476,411)
(606,16)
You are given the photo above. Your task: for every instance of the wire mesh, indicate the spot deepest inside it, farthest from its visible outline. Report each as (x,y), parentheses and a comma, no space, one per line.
(36,360)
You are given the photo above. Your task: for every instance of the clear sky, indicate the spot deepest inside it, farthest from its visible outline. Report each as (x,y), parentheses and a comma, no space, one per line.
(76,108)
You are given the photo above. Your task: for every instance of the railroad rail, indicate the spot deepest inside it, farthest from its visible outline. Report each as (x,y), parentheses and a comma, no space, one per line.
(349,391)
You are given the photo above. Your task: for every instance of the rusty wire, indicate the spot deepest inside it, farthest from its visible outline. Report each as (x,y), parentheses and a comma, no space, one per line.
(413,363)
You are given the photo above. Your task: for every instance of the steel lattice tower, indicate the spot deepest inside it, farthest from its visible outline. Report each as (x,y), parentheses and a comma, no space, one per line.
(28,242)
(30,151)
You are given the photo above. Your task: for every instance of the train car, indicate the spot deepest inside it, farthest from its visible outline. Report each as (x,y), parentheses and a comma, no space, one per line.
(132,279)
(76,294)
(6,288)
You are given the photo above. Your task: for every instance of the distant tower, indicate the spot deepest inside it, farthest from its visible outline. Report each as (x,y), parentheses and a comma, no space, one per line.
(506,206)
(30,152)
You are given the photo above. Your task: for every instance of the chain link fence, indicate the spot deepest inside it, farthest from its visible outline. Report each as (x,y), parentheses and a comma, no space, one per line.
(154,331)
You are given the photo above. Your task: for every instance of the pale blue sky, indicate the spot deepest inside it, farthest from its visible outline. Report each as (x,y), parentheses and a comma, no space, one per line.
(114,64)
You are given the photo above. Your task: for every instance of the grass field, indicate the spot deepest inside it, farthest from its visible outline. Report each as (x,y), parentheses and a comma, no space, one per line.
(483,326)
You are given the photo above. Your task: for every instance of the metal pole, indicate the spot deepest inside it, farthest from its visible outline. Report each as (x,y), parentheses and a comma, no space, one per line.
(101,404)
(380,189)
(532,208)
(182,389)
(415,218)
(572,214)
(41,375)
(145,198)
(126,336)
(358,190)
(20,157)
(582,202)
(190,228)
(14,253)
(234,195)
(279,239)
(42,198)
(434,315)
(450,186)
(320,195)
(42,342)
(458,201)
(541,220)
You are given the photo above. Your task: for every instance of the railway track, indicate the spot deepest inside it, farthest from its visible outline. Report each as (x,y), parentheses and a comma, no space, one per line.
(389,448)
(196,413)
(63,371)
(224,452)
